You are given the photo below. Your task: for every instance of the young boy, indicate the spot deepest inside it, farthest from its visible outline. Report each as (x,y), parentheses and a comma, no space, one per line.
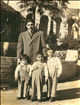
(54,70)
(38,70)
(22,75)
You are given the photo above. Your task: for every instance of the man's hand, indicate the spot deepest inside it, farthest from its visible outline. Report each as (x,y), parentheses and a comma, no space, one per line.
(30,74)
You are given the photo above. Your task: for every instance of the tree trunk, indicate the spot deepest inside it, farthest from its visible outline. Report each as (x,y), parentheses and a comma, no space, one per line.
(7,2)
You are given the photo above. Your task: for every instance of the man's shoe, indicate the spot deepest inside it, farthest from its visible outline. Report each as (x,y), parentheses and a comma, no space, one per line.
(52,99)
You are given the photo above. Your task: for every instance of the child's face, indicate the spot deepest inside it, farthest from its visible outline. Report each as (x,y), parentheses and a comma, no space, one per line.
(23,61)
(39,58)
(50,53)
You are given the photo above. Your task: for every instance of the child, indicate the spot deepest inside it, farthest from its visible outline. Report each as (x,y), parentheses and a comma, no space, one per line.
(37,70)
(22,75)
(54,69)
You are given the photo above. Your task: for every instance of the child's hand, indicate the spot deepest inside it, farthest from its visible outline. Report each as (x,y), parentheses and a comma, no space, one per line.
(30,74)
(58,75)
(35,68)
(18,61)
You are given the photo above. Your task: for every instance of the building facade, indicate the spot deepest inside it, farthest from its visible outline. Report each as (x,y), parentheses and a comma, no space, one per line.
(67,26)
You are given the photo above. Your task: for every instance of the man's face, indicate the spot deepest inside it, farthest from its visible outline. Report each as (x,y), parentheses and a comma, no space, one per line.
(30,26)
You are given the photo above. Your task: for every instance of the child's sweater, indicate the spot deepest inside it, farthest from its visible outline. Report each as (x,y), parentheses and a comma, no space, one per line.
(54,64)
(22,72)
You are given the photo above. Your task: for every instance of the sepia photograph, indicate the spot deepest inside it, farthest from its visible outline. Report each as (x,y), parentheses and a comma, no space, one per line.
(40,52)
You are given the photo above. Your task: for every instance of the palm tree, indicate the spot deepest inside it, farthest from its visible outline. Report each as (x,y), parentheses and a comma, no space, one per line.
(55,6)
(7,2)
(31,6)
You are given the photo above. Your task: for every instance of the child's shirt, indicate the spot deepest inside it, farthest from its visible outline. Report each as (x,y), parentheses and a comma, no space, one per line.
(39,66)
(54,63)
(22,72)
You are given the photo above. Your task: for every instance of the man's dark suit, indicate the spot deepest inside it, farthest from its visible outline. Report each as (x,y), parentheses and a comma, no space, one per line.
(29,46)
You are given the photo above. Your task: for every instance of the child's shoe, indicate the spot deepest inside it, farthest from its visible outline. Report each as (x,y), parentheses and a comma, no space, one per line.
(22,97)
(33,99)
(39,100)
(28,98)
(18,98)
(48,98)
(52,99)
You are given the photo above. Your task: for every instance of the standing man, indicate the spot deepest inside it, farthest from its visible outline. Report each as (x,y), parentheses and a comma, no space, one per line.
(30,41)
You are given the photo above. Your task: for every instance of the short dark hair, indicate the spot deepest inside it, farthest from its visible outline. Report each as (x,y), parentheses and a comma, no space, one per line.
(50,49)
(30,20)
(24,56)
(39,53)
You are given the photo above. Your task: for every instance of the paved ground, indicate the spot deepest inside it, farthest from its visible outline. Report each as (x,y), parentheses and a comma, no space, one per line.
(68,93)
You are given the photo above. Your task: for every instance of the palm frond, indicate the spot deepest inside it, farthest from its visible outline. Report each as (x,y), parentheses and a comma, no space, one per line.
(21,6)
(52,5)
(23,10)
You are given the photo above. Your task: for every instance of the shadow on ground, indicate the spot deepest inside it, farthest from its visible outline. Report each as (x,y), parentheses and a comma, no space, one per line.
(65,94)
(77,77)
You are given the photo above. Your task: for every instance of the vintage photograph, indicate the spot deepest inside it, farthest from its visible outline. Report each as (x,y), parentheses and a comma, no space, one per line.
(40,52)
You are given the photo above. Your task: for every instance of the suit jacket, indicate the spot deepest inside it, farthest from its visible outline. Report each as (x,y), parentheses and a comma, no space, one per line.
(30,46)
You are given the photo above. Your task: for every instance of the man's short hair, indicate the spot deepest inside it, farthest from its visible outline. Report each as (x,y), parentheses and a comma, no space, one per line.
(30,20)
